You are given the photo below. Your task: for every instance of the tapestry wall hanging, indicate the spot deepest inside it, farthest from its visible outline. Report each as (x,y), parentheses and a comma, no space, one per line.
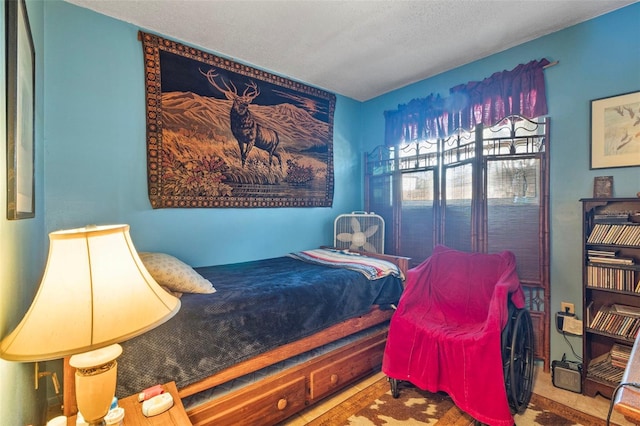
(223,134)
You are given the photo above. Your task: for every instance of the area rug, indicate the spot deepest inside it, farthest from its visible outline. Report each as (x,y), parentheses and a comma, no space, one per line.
(374,406)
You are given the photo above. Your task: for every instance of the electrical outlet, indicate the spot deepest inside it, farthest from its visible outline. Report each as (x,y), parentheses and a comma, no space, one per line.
(567,307)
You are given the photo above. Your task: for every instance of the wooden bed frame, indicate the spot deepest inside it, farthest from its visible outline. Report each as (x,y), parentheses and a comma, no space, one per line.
(276,397)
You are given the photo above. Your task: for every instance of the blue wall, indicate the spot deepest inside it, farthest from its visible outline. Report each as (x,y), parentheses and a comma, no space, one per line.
(96,162)
(96,154)
(598,58)
(22,249)
(91,159)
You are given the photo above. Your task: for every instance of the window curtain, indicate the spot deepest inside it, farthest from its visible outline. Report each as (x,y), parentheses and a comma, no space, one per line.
(520,91)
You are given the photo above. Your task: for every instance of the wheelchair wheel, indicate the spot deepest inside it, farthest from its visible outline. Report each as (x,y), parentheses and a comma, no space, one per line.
(395,392)
(519,361)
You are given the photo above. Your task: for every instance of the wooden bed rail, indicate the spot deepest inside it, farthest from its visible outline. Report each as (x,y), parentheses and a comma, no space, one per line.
(331,334)
(328,335)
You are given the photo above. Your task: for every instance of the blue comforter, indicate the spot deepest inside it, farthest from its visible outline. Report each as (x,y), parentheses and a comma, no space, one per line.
(257,307)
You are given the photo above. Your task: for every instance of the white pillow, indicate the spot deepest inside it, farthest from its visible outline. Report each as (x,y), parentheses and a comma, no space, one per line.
(175,275)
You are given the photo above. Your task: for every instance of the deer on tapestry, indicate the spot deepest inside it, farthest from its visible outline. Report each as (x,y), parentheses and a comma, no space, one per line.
(247,131)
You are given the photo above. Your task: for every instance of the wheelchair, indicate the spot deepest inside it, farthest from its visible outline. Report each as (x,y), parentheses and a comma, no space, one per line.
(517,358)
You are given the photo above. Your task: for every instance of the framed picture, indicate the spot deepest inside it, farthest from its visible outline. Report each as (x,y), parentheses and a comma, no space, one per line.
(615,131)
(20,62)
(603,187)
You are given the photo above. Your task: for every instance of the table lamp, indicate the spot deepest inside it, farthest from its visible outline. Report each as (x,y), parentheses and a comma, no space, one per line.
(95,292)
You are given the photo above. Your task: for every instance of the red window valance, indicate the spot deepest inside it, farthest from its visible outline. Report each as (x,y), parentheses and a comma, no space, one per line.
(520,91)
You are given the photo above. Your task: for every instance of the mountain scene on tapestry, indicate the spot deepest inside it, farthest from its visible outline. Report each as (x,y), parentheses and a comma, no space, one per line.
(223,134)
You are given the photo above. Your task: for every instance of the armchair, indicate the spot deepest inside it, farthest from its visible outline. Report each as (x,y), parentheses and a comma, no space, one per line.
(459,314)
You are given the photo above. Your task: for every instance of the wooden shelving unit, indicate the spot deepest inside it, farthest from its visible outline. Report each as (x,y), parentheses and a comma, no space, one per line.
(611,290)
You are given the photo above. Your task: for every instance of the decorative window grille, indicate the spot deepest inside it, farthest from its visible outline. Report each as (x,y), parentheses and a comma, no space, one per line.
(486,190)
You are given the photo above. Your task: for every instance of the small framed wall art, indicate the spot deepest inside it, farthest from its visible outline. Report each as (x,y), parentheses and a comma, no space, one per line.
(615,131)
(20,62)
(603,187)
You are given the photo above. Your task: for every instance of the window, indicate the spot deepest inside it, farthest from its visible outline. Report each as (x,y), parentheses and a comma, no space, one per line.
(484,190)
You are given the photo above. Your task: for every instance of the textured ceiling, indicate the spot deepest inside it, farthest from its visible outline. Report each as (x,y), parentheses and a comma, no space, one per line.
(359,49)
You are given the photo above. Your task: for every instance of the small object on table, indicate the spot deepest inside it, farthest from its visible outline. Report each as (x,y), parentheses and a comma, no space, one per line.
(58,421)
(176,415)
(157,405)
(115,417)
(150,392)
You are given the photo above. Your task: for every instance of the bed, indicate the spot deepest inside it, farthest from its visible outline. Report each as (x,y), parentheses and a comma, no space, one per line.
(276,336)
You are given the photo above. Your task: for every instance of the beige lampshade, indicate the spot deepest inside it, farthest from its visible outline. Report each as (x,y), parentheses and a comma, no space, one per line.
(95,291)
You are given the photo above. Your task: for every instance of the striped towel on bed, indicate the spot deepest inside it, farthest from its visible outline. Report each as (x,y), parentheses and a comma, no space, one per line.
(370,267)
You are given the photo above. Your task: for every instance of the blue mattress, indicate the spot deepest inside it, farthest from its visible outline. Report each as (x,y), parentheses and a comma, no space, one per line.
(257,307)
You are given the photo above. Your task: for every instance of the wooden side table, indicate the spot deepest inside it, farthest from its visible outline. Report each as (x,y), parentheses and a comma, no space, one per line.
(133,416)
(627,401)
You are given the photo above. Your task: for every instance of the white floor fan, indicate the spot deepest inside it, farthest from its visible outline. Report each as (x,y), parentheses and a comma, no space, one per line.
(359,231)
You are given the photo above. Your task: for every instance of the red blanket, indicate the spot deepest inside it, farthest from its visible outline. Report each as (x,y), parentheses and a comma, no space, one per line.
(445,335)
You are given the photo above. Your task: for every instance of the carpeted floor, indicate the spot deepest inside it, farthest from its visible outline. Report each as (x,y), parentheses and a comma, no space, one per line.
(374,405)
